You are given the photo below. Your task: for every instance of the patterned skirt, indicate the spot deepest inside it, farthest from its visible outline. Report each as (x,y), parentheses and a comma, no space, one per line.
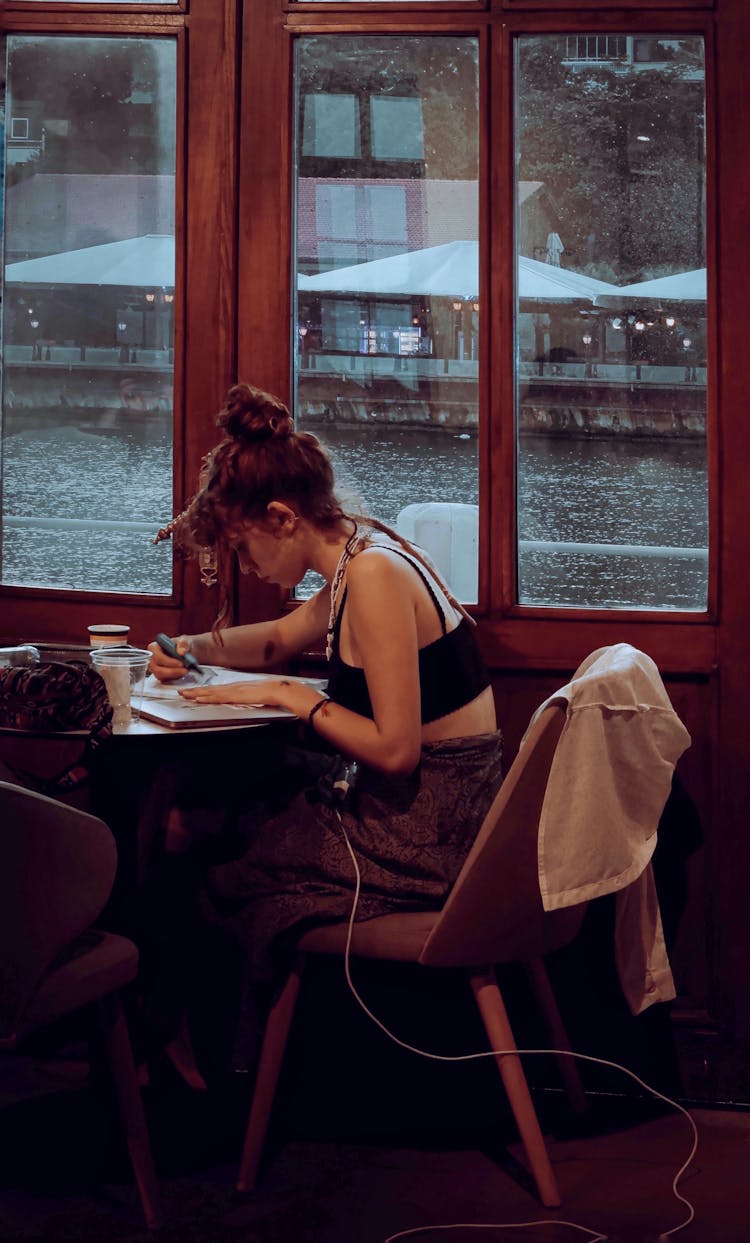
(410,836)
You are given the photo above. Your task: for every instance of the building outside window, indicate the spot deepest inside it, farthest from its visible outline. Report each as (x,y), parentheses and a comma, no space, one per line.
(88,341)
(391,293)
(610,386)
(379,376)
(611,382)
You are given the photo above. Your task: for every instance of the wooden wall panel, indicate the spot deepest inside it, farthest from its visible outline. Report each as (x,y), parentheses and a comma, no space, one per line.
(733,737)
(237,233)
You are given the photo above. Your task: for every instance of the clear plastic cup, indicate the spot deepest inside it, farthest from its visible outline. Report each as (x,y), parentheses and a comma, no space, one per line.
(124,671)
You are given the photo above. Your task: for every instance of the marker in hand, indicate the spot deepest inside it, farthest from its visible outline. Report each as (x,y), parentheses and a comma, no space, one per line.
(168,646)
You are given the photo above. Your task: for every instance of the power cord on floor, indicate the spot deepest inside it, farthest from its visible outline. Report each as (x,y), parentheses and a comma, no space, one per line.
(492,1225)
(468,1057)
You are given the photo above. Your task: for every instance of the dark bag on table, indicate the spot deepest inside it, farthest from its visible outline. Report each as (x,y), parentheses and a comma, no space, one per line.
(57,697)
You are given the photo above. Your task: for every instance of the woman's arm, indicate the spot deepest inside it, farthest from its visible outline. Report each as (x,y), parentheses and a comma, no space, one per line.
(255,646)
(382,625)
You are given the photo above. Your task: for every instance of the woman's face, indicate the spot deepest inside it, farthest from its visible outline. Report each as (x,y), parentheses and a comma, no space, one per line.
(270,549)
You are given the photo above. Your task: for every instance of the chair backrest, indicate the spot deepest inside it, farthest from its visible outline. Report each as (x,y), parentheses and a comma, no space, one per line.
(57,868)
(494,912)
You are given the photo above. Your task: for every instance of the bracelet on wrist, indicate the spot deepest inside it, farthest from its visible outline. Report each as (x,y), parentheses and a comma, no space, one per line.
(315,708)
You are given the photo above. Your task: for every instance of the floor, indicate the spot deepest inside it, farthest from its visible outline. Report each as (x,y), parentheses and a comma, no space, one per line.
(359,1155)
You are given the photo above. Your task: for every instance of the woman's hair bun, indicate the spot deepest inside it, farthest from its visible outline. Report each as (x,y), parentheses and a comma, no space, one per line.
(250,414)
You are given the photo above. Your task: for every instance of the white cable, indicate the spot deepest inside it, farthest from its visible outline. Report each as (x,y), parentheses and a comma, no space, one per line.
(468,1057)
(512,1225)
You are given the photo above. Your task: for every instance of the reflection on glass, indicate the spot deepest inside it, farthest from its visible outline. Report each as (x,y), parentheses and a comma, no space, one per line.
(388,296)
(330,125)
(88,316)
(611,322)
(396,124)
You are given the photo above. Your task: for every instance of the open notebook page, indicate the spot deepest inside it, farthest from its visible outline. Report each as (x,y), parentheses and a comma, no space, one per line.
(163,703)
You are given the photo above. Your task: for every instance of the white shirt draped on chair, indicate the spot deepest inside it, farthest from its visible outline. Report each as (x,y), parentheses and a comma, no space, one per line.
(610,778)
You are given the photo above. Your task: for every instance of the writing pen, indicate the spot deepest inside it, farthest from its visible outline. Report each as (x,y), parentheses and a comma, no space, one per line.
(168,646)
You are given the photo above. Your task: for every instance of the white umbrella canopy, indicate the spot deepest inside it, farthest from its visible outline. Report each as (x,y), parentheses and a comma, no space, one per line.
(681,287)
(543,282)
(138,261)
(451,271)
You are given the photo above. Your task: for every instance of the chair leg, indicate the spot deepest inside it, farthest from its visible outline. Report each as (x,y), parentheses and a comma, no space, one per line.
(269,1067)
(539,979)
(492,1009)
(119,1055)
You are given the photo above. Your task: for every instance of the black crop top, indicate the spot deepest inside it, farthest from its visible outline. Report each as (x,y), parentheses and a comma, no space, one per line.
(451,669)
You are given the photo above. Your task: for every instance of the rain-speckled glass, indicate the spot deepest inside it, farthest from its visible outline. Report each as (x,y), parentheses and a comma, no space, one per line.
(87,328)
(387,280)
(611,322)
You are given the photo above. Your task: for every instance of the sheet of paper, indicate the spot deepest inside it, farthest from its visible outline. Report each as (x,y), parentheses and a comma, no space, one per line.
(163,703)
(170,691)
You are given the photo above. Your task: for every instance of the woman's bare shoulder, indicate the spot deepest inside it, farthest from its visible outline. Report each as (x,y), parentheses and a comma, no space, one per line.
(377,564)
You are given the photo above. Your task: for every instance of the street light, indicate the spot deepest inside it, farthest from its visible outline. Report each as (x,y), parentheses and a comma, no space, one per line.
(587,339)
(458,334)
(687,345)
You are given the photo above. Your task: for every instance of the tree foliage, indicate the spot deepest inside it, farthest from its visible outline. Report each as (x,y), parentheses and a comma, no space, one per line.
(101,102)
(621,155)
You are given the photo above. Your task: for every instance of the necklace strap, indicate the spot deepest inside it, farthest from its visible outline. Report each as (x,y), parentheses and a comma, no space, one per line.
(353,545)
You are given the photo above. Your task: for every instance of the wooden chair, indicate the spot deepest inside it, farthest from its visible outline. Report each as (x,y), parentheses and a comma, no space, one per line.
(493,915)
(57,867)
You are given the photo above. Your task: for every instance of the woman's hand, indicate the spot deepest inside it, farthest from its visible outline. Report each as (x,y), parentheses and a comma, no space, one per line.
(228,693)
(269,692)
(164,667)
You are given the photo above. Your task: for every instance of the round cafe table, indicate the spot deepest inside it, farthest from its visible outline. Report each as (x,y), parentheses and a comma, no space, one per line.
(139,775)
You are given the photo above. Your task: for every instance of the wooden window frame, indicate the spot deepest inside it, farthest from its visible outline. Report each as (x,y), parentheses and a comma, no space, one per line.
(511,634)
(234,319)
(205,309)
(236,313)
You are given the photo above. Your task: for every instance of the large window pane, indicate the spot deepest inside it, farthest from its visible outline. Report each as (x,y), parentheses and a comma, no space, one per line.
(88,312)
(388,296)
(611,323)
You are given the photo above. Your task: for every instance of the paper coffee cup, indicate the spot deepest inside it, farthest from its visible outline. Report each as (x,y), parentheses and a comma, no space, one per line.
(108,635)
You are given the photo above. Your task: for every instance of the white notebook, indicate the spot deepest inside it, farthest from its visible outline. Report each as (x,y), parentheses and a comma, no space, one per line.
(163,703)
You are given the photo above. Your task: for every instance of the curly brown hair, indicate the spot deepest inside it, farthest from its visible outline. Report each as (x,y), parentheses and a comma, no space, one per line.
(261,458)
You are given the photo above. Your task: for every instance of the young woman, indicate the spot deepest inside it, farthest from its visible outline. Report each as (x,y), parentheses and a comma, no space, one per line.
(408,697)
